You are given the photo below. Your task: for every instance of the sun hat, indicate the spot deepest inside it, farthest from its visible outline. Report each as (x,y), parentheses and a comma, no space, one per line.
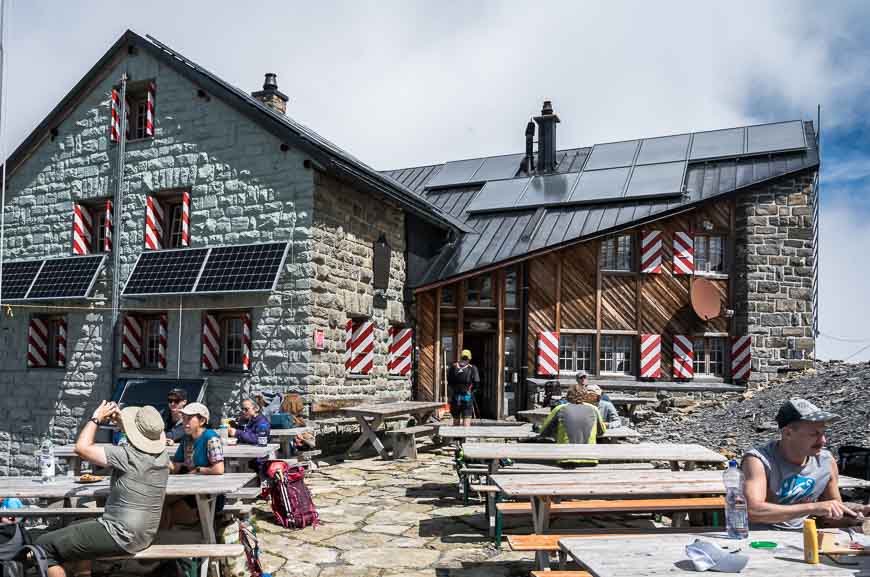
(795,410)
(593,389)
(466,354)
(144,428)
(196,409)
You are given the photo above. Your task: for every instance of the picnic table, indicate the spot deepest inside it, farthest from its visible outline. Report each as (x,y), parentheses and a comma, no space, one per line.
(484,432)
(370,417)
(665,554)
(235,456)
(286,436)
(204,488)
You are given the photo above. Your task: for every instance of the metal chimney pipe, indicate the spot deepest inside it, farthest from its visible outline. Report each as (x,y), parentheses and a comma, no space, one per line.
(547,138)
(529,160)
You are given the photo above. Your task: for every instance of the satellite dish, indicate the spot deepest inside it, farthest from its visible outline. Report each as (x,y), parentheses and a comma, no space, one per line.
(705,299)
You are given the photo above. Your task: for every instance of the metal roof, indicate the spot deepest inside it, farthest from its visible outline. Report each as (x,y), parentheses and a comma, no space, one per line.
(510,235)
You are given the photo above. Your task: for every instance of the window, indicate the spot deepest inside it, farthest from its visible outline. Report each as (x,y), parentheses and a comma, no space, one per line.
(46,342)
(616,253)
(137,100)
(616,354)
(510,289)
(155,344)
(448,296)
(478,291)
(233,343)
(709,253)
(226,341)
(174,210)
(709,357)
(101,228)
(575,353)
(90,227)
(144,341)
(165,222)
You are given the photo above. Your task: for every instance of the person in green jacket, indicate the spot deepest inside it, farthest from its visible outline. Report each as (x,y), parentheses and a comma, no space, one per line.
(575,422)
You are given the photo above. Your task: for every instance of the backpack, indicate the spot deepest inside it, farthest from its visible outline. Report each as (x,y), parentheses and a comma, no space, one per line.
(291,501)
(14,549)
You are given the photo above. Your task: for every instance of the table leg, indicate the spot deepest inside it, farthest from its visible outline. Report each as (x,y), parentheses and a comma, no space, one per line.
(285,447)
(368,433)
(205,505)
(675,465)
(490,497)
(540,522)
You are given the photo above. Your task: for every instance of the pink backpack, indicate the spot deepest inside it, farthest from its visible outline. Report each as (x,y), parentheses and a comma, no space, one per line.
(291,501)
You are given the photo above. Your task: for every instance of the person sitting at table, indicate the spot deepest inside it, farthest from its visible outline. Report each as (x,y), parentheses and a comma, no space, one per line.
(173,424)
(140,472)
(794,477)
(575,422)
(250,425)
(605,407)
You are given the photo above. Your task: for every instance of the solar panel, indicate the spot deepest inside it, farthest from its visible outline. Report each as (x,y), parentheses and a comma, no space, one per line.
(716,143)
(498,194)
(17,278)
(779,136)
(595,185)
(664,149)
(612,155)
(656,179)
(457,172)
(252,267)
(163,272)
(498,168)
(71,277)
(549,189)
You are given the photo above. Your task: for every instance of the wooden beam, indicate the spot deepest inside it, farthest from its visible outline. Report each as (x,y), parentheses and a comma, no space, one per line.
(596,363)
(499,378)
(460,319)
(437,364)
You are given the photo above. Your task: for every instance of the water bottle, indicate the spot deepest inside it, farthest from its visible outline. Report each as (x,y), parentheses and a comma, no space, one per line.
(736,513)
(262,434)
(46,460)
(224,432)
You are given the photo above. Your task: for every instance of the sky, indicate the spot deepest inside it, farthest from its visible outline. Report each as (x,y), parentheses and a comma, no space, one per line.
(403,83)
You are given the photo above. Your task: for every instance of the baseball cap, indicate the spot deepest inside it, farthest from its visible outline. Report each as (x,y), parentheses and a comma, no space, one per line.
(581,375)
(196,409)
(709,556)
(466,354)
(802,410)
(177,392)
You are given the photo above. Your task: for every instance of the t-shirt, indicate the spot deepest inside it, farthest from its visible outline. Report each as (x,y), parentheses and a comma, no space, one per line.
(790,484)
(576,424)
(202,452)
(136,492)
(461,379)
(174,431)
(609,413)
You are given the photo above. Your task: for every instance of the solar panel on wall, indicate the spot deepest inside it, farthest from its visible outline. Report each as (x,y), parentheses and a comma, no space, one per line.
(71,277)
(498,194)
(612,155)
(243,268)
(548,190)
(17,278)
(163,272)
(773,137)
(656,179)
(456,172)
(664,149)
(598,185)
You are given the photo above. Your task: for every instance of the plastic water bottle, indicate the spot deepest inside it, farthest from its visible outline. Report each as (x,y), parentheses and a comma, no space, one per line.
(262,435)
(736,513)
(46,460)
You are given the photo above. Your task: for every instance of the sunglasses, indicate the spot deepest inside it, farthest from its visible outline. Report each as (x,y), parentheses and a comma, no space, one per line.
(175,401)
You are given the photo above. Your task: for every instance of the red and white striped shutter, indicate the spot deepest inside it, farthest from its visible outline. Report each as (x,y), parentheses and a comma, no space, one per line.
(651,252)
(211,338)
(37,343)
(164,338)
(400,351)
(684,357)
(741,358)
(185,219)
(60,342)
(684,253)
(363,356)
(246,342)
(548,353)
(115,127)
(650,356)
(149,110)
(131,347)
(153,224)
(107,224)
(348,345)
(83,229)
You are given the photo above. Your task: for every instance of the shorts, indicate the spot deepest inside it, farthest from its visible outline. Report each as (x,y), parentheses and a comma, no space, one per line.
(461,408)
(79,542)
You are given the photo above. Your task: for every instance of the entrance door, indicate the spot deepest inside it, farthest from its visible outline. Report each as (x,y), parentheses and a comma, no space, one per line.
(483,352)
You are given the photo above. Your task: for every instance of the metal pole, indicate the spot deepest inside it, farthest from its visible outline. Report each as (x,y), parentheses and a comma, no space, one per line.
(117,219)
(2,140)
(180,313)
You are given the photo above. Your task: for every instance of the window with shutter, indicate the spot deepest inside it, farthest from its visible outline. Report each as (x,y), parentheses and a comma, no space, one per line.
(145,339)
(167,221)
(359,358)
(46,342)
(226,341)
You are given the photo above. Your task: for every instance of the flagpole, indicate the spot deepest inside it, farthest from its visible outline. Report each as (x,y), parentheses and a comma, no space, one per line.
(117,225)
(2,140)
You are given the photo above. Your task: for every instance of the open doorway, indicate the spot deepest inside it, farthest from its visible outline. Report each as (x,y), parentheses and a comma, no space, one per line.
(483,353)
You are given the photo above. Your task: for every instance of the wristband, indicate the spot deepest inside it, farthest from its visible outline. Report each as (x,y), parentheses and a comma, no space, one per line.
(95,421)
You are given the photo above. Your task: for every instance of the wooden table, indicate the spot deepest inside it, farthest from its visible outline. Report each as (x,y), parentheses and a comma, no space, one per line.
(204,488)
(537,416)
(371,416)
(665,554)
(286,436)
(494,432)
(235,456)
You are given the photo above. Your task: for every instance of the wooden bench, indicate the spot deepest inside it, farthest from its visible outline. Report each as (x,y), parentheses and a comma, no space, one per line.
(405,440)
(199,550)
(30,512)
(561,574)
(245,494)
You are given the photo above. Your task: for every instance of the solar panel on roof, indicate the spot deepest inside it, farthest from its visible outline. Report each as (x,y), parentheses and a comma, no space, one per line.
(656,179)
(548,189)
(717,143)
(17,278)
(779,136)
(498,194)
(252,267)
(71,277)
(498,168)
(664,149)
(596,185)
(456,172)
(612,155)
(166,272)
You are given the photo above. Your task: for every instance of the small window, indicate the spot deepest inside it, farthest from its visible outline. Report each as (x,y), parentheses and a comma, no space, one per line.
(46,342)
(168,229)
(575,353)
(100,229)
(137,101)
(478,291)
(226,341)
(709,253)
(448,296)
(144,341)
(617,253)
(510,289)
(174,212)
(155,344)
(233,345)
(709,357)
(616,354)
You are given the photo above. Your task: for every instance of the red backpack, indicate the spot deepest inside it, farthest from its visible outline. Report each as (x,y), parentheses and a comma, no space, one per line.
(291,501)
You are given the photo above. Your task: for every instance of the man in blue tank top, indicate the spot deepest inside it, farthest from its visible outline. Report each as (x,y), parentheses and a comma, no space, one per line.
(793,478)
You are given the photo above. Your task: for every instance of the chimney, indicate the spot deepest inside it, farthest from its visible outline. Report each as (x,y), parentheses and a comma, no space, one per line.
(270,95)
(546,138)
(529,160)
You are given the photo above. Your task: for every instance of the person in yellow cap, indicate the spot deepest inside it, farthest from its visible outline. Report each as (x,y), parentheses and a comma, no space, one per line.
(462,378)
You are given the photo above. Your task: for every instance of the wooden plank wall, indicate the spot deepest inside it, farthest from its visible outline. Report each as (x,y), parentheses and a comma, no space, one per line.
(542,302)
(578,286)
(426,336)
(618,302)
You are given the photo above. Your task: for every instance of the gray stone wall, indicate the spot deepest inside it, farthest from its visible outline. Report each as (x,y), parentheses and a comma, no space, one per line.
(774,290)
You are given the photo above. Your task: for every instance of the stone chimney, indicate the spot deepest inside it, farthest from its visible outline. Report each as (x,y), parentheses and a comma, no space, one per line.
(271,96)
(547,138)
